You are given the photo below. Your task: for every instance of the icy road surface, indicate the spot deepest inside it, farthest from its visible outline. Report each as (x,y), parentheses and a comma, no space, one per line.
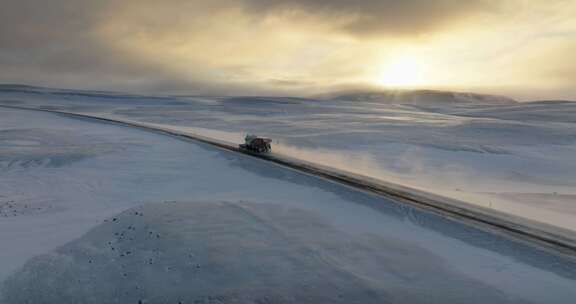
(270,234)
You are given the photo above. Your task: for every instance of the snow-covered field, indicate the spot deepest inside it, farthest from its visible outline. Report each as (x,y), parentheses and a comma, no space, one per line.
(98,213)
(514,157)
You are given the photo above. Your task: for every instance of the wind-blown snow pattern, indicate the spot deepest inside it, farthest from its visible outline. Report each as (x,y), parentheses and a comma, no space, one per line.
(85,207)
(239,252)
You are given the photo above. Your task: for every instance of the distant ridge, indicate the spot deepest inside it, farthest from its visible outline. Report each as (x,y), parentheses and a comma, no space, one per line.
(28,89)
(419,97)
(410,97)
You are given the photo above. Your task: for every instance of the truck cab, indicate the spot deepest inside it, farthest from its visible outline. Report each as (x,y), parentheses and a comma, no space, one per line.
(256,144)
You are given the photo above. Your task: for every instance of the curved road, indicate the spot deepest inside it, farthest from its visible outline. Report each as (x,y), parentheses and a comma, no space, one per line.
(540,234)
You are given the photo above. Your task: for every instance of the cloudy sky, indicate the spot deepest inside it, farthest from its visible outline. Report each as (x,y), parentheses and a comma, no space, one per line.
(522,48)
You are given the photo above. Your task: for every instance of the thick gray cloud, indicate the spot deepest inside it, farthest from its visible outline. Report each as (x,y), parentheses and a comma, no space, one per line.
(58,42)
(380,17)
(43,40)
(236,46)
(56,33)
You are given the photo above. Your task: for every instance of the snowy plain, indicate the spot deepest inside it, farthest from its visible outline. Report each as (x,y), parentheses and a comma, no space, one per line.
(492,151)
(64,181)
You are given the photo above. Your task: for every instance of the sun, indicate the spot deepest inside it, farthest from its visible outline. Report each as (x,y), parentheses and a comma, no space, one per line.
(402,72)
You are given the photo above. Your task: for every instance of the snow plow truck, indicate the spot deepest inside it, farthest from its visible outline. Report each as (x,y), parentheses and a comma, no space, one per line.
(256,144)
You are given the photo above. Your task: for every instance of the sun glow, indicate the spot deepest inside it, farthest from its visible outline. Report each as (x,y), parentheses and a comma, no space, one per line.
(402,72)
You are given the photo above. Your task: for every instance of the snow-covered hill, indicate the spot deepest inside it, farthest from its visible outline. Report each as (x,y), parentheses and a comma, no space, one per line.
(543,111)
(420,97)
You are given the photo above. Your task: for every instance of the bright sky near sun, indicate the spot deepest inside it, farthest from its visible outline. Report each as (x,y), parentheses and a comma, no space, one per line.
(402,72)
(524,48)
